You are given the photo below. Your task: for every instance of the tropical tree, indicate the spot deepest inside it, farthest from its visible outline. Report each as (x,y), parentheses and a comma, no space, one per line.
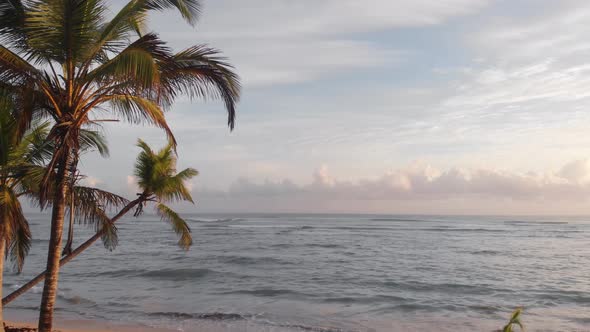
(22,155)
(17,157)
(65,60)
(159,183)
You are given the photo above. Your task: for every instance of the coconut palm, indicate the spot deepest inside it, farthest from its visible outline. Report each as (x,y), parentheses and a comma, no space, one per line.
(21,168)
(65,60)
(159,183)
(16,160)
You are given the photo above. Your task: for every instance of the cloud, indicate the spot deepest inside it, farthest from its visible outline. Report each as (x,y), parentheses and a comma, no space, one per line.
(577,171)
(91,181)
(132,186)
(424,182)
(326,17)
(524,61)
(283,42)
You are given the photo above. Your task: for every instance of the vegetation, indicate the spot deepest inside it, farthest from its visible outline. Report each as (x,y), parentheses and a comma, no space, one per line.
(159,183)
(17,166)
(64,60)
(22,155)
(514,321)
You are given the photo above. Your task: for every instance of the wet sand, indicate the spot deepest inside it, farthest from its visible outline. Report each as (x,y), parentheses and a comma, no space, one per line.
(84,326)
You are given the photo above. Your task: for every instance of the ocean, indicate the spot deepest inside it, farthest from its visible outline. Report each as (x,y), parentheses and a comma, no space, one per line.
(296,272)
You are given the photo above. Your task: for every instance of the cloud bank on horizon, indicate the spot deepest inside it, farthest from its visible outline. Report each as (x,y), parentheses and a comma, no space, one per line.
(492,95)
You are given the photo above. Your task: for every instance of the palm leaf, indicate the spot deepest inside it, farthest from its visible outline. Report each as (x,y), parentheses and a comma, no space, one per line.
(178,224)
(61,30)
(138,110)
(200,71)
(174,189)
(136,64)
(514,320)
(93,140)
(16,229)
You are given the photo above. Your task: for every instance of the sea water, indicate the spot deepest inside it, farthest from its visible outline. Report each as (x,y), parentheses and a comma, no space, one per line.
(327,273)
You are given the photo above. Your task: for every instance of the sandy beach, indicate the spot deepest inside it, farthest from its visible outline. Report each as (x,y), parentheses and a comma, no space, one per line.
(85,326)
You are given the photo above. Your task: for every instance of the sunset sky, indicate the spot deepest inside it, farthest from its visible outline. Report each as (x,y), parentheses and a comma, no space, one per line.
(382,106)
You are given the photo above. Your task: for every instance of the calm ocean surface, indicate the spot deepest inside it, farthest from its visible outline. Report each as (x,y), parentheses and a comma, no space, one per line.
(328,273)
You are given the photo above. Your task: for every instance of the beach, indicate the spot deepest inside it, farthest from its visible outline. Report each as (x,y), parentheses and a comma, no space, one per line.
(88,326)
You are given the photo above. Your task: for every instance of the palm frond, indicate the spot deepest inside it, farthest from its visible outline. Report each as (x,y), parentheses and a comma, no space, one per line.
(514,320)
(20,245)
(89,200)
(138,110)
(178,224)
(16,228)
(136,64)
(12,17)
(201,72)
(61,30)
(174,189)
(93,140)
(15,69)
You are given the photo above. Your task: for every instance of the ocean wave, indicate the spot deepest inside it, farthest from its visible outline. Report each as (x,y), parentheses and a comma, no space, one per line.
(245,260)
(228,317)
(365,299)
(76,300)
(400,219)
(484,252)
(440,287)
(162,274)
(292,229)
(177,274)
(524,222)
(262,292)
(302,327)
(221,316)
(562,296)
(221,220)
(114,273)
(35,290)
(465,230)
(325,245)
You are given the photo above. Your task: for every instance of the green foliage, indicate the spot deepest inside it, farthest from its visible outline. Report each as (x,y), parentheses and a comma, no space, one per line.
(514,321)
(18,155)
(67,61)
(157,178)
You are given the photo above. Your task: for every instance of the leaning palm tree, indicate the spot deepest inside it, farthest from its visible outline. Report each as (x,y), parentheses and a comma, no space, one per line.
(16,162)
(66,61)
(22,156)
(159,183)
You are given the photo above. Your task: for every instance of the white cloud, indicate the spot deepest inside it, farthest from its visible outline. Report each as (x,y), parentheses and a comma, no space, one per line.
(132,186)
(91,181)
(283,41)
(417,188)
(263,18)
(424,182)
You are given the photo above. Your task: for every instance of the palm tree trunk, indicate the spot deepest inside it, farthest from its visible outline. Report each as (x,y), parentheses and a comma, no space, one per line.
(2,254)
(55,242)
(68,247)
(24,288)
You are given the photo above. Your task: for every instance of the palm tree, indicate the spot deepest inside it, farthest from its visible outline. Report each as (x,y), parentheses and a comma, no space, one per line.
(16,161)
(22,155)
(64,60)
(159,183)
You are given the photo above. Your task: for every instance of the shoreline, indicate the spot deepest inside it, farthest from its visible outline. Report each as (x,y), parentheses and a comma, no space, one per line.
(87,326)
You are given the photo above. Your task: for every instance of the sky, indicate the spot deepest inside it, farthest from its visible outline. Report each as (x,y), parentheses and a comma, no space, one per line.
(382,106)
